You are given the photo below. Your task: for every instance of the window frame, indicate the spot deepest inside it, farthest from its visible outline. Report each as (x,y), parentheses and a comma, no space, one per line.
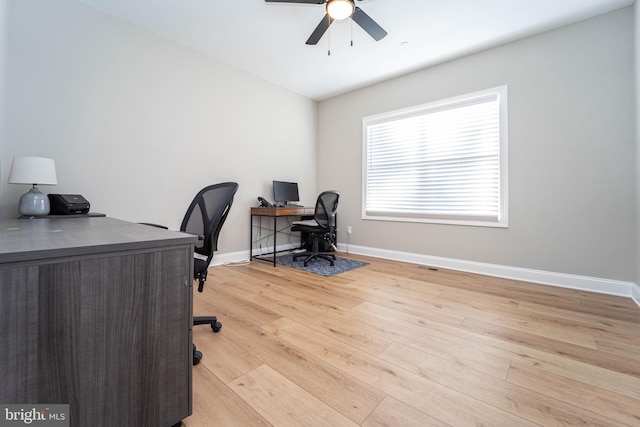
(502,220)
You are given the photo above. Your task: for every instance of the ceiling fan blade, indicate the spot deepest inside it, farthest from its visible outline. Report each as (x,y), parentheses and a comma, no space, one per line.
(322,27)
(368,24)
(296,1)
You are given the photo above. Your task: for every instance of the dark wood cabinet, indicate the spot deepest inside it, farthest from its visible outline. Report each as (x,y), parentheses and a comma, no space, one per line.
(96,313)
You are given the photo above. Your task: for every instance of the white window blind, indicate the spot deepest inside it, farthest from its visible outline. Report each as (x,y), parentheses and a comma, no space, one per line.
(442,162)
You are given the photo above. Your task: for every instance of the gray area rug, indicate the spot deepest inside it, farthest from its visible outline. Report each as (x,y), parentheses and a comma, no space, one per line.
(321,266)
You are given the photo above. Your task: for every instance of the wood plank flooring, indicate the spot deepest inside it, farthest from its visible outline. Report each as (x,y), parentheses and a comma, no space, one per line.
(397,344)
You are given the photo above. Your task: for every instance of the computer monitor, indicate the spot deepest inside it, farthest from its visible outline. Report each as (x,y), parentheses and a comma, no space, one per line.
(285,192)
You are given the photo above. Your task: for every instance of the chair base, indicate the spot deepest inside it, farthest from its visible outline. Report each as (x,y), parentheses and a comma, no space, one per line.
(208,320)
(315,255)
(215,327)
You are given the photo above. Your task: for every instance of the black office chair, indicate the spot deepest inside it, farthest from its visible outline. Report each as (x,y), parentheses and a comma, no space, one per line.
(321,229)
(204,218)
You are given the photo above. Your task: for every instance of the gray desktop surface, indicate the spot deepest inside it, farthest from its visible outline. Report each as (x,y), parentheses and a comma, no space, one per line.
(28,239)
(75,215)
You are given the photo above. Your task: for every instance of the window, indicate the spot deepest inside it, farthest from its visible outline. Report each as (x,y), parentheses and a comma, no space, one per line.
(442,162)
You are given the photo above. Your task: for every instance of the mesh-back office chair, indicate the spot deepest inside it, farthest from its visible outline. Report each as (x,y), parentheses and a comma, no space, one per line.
(321,229)
(204,218)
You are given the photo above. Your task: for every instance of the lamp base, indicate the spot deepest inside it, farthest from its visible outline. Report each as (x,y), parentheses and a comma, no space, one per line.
(33,202)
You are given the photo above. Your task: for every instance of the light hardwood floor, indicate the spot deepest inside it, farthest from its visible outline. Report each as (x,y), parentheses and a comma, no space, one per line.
(397,344)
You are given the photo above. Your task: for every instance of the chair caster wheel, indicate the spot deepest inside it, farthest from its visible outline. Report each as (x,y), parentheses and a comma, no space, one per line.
(216,327)
(197,357)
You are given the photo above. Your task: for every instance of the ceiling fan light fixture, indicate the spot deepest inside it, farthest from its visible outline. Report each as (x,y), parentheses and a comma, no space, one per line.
(340,9)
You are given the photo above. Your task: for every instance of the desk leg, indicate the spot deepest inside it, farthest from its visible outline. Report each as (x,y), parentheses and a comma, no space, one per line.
(275,233)
(250,238)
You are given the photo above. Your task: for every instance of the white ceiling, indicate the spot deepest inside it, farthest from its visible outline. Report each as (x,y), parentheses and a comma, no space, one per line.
(268,39)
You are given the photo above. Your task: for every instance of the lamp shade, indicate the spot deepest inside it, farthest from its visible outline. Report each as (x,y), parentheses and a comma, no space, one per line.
(33,170)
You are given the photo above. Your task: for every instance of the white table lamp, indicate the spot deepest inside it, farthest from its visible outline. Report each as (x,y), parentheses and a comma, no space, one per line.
(34,171)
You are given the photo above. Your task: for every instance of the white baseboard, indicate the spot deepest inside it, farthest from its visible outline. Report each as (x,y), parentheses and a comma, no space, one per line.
(243,256)
(635,294)
(571,281)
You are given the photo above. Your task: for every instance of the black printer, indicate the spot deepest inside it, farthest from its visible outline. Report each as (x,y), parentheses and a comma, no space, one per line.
(68,204)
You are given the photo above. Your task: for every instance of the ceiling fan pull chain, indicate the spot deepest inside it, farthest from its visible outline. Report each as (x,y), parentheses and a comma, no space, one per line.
(329,39)
(338,10)
(351,19)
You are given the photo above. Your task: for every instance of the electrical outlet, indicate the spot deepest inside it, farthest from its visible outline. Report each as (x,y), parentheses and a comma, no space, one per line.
(349,230)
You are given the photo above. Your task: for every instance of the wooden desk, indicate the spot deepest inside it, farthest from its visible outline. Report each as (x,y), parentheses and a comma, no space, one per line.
(96,313)
(275,212)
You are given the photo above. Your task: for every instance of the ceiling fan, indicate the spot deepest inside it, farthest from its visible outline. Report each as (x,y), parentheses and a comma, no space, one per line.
(338,10)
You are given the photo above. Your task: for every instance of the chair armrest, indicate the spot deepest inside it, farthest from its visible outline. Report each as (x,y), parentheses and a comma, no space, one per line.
(200,236)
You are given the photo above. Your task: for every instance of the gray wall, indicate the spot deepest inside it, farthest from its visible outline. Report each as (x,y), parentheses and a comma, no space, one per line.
(572,146)
(138,124)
